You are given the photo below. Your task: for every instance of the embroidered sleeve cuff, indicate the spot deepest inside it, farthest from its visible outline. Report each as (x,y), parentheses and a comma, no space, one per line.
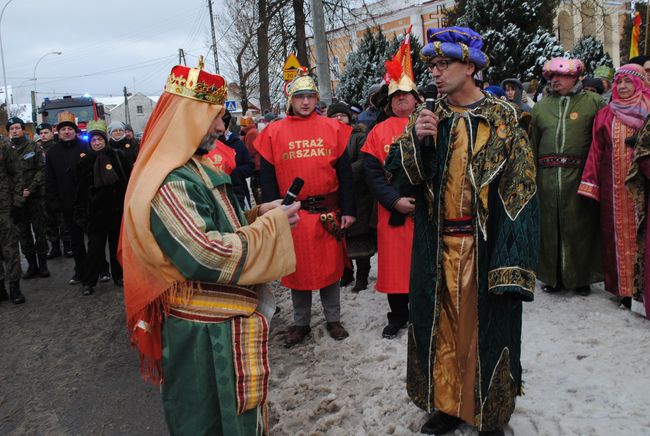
(512,280)
(589,190)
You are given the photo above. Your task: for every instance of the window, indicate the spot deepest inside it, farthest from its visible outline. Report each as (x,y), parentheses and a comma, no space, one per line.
(335,67)
(139,110)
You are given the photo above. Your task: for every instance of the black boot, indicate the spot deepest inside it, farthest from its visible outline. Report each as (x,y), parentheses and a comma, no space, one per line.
(440,423)
(42,266)
(498,432)
(363,270)
(32,268)
(67,249)
(55,250)
(583,290)
(3,292)
(16,296)
(348,277)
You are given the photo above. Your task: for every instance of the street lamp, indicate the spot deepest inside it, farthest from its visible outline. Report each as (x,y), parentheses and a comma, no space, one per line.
(34,79)
(2,57)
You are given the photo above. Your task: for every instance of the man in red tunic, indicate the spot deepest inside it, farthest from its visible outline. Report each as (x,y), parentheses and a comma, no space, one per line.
(394,220)
(311,147)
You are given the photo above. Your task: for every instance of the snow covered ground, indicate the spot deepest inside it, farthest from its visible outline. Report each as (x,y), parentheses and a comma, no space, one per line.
(586,371)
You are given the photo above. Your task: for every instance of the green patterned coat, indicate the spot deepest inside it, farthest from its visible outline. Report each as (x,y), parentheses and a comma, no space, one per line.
(506,239)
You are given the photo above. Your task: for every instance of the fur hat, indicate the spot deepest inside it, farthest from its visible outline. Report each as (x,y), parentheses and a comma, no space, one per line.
(339,108)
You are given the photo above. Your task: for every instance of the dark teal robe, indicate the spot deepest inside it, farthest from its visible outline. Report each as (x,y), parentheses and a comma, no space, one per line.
(506,235)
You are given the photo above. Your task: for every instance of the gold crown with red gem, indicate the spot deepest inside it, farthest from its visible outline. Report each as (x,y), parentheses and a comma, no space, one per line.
(197,84)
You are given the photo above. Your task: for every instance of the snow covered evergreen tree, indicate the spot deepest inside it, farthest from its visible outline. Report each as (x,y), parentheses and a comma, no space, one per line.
(508,28)
(543,47)
(591,52)
(363,68)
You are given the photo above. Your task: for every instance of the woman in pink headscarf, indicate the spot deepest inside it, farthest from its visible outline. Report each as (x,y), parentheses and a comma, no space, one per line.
(603,178)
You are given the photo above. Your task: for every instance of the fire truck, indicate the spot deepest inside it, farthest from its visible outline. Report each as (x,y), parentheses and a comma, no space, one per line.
(84,108)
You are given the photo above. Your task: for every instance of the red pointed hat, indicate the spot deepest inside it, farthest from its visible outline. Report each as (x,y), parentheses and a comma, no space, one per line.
(197,84)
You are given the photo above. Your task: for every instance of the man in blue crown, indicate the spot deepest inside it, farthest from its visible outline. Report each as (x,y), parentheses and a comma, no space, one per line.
(476,216)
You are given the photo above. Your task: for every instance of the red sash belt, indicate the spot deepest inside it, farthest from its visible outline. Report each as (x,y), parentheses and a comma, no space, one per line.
(560,160)
(462,226)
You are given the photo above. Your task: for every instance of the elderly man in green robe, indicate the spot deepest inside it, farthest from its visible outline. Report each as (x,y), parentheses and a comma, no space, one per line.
(561,136)
(471,170)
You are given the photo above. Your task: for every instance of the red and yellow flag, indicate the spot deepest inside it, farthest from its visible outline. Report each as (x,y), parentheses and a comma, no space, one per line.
(636,32)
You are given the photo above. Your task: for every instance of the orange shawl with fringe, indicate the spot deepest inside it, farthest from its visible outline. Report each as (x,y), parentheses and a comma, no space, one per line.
(172,135)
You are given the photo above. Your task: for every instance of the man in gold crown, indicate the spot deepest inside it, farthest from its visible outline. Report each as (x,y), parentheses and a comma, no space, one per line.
(311,147)
(61,183)
(192,263)
(394,220)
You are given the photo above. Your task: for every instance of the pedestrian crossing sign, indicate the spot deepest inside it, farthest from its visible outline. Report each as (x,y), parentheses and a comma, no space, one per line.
(231,105)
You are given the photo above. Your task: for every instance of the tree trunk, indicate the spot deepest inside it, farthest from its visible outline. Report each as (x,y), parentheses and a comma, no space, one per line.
(301,38)
(263,55)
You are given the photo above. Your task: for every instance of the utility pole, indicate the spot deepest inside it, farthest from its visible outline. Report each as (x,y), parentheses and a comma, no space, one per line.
(127,115)
(214,39)
(322,58)
(33,106)
(181,57)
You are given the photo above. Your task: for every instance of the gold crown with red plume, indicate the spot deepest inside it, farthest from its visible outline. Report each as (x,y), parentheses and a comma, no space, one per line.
(399,70)
(197,84)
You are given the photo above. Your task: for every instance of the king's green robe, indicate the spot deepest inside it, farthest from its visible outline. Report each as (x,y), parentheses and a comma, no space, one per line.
(570,234)
(505,242)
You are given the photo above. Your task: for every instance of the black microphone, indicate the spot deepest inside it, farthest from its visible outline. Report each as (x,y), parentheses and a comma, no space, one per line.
(430,95)
(293,191)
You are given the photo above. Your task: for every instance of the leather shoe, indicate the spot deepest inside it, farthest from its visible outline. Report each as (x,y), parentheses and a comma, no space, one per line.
(297,334)
(336,330)
(88,290)
(440,423)
(583,290)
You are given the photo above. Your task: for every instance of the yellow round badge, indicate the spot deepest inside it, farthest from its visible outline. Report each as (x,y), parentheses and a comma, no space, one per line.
(127,145)
(574,115)
(109,167)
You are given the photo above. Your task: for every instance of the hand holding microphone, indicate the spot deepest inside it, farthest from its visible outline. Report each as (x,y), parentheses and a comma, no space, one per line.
(289,203)
(426,126)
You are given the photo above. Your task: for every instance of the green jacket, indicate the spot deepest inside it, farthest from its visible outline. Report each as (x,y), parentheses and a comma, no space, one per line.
(11,182)
(32,165)
(561,128)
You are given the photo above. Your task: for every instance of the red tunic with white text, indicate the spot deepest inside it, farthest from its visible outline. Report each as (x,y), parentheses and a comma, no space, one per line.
(308,148)
(393,242)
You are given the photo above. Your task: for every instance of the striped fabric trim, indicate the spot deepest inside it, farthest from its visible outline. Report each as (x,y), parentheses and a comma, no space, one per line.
(213,250)
(210,303)
(251,361)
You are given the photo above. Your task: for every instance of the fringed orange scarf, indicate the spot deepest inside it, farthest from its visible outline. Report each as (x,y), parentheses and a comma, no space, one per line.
(172,135)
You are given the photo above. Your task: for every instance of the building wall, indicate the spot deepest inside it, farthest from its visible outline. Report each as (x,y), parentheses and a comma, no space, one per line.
(140,109)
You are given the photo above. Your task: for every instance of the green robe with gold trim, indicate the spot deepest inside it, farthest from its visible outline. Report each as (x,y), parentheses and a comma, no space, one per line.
(505,232)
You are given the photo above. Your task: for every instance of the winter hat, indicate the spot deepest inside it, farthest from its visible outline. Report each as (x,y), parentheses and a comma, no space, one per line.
(592,82)
(43,126)
(355,108)
(246,121)
(460,43)
(496,91)
(563,66)
(128,128)
(270,116)
(96,128)
(15,120)
(339,108)
(66,118)
(604,72)
(116,125)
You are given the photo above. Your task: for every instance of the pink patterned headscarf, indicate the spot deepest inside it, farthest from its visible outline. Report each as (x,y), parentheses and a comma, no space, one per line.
(633,110)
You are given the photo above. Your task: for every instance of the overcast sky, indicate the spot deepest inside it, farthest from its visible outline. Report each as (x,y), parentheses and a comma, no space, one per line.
(106,45)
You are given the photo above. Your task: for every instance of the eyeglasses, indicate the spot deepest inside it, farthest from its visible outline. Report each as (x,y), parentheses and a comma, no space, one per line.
(441,65)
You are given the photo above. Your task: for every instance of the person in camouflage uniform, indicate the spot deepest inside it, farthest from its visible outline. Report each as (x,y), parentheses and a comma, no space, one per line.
(31,160)
(11,199)
(55,230)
